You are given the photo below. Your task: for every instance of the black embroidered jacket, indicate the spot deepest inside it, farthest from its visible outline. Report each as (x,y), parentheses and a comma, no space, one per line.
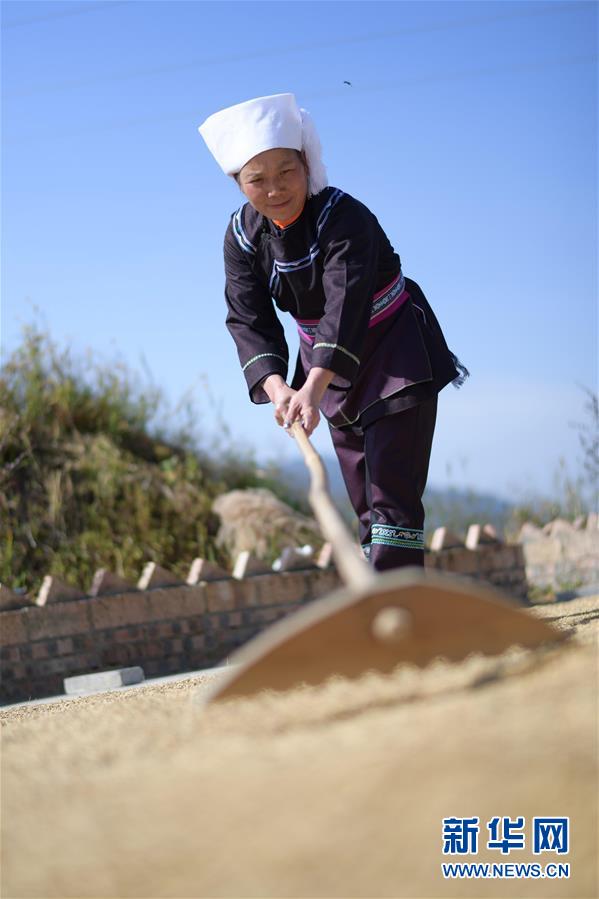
(336,272)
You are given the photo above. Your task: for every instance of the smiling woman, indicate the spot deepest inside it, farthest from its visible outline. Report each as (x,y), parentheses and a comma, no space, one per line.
(276,184)
(372,355)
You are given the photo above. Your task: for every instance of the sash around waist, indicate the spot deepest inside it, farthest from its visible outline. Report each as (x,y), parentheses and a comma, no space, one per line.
(384,303)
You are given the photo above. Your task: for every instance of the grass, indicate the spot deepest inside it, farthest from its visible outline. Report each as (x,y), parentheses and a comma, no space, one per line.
(90,479)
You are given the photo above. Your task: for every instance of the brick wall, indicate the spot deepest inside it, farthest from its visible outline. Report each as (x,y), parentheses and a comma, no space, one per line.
(183,627)
(165,630)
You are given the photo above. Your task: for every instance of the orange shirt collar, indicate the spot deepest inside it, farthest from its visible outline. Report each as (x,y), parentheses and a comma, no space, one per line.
(290,221)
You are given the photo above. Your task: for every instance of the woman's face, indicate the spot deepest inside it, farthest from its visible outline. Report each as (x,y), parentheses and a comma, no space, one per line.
(276,183)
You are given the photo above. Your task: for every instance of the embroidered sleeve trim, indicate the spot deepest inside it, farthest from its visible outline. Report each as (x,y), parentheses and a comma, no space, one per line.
(336,346)
(240,235)
(326,211)
(262,356)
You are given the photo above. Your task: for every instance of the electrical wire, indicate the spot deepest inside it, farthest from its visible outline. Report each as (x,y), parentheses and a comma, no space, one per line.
(379,87)
(270,52)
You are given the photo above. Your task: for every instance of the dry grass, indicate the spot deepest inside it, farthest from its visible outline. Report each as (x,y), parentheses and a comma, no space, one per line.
(256,520)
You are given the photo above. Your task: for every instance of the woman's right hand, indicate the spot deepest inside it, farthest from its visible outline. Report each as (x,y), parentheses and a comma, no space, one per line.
(280,394)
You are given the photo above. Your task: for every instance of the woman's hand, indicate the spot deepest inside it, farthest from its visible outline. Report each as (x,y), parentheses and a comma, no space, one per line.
(303,406)
(280,395)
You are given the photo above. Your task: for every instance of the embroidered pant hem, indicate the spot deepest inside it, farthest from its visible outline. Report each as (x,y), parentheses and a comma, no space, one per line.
(385,468)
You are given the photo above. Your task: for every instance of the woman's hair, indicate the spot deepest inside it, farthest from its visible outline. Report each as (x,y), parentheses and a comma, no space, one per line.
(301,156)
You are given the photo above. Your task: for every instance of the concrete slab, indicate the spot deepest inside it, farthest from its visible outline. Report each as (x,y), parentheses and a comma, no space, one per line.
(100,681)
(206,674)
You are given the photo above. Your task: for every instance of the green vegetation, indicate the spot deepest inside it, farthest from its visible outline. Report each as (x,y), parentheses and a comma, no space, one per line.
(88,479)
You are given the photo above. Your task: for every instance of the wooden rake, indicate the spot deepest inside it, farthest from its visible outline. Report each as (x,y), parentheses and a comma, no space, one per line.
(376,621)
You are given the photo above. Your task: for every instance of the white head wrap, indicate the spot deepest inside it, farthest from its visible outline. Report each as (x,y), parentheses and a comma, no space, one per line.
(237,134)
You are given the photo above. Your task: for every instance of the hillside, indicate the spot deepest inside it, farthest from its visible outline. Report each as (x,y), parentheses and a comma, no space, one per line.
(89,477)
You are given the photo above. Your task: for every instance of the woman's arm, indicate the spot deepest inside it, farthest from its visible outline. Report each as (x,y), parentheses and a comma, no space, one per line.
(252,322)
(350,247)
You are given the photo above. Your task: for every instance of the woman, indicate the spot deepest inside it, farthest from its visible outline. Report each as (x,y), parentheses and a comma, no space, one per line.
(372,356)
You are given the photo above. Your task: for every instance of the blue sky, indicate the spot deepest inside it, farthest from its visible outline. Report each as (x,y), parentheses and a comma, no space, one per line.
(470,129)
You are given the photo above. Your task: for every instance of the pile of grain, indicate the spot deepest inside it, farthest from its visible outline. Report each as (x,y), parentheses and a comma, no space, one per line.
(332,791)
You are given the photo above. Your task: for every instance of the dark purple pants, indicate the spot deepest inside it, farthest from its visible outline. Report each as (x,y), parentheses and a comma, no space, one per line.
(385,470)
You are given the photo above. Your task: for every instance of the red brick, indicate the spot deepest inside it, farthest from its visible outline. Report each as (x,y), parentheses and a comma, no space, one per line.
(164,629)
(151,668)
(117,654)
(432,560)
(30,688)
(459,561)
(174,664)
(152,649)
(64,666)
(15,671)
(176,602)
(196,625)
(195,659)
(58,620)
(497,558)
(10,654)
(272,614)
(319,583)
(65,646)
(39,650)
(12,627)
(242,635)
(275,589)
(118,611)
(224,595)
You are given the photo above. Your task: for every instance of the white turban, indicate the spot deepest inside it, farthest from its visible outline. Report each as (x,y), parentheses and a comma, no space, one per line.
(237,134)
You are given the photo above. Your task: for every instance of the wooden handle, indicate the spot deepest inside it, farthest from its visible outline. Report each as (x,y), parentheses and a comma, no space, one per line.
(354,570)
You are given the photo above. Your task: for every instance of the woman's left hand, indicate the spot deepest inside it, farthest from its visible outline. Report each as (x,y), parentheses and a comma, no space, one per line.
(304,404)
(303,407)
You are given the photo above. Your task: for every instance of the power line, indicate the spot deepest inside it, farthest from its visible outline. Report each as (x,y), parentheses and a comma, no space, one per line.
(269,52)
(378,87)
(62,14)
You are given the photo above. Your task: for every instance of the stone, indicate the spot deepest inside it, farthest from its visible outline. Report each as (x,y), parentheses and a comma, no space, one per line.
(294,559)
(444,538)
(202,570)
(155,576)
(55,590)
(105,582)
(100,681)
(557,526)
(10,599)
(479,535)
(529,532)
(247,565)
